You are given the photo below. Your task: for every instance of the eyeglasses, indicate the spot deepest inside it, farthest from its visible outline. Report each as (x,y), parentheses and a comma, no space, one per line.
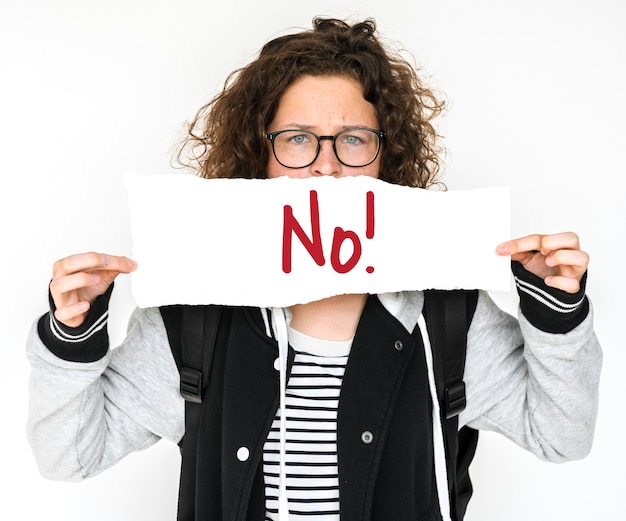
(354,147)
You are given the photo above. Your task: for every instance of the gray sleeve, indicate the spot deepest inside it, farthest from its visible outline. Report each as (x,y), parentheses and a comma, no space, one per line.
(84,417)
(538,389)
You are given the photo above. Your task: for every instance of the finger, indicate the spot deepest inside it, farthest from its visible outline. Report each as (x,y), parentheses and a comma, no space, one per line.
(559,241)
(537,242)
(575,258)
(92,261)
(522,245)
(74,315)
(566,284)
(73,282)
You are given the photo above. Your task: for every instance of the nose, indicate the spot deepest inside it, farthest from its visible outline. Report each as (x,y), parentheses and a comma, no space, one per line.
(326,162)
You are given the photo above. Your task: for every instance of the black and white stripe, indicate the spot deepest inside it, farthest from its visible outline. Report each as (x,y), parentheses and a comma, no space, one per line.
(546,299)
(61,334)
(312,398)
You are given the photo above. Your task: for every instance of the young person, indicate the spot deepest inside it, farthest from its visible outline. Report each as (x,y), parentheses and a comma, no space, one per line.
(359,436)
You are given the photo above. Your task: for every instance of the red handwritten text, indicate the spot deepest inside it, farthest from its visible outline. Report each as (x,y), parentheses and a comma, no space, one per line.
(313,244)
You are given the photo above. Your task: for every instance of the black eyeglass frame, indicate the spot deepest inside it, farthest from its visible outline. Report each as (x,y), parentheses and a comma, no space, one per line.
(272,136)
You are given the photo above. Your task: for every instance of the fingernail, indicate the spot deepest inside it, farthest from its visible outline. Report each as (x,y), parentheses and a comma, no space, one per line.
(502,249)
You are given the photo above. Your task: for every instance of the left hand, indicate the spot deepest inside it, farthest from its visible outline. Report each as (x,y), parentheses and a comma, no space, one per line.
(557,258)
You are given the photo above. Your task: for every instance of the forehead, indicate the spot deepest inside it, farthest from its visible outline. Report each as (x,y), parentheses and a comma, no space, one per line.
(325,100)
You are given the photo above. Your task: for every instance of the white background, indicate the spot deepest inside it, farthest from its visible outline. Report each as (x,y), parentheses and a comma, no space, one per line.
(90,89)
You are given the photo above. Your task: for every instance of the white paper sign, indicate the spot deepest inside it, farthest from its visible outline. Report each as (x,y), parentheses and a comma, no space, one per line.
(279,242)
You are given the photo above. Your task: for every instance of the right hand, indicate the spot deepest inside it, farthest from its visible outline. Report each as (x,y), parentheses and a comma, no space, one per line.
(79,279)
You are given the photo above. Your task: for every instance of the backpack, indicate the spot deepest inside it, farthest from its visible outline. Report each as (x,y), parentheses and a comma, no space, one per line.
(448,315)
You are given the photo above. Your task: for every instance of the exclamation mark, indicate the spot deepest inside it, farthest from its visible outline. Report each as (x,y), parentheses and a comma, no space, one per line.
(369,221)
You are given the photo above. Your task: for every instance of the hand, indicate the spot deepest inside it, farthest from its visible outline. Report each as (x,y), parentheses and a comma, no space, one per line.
(79,279)
(557,258)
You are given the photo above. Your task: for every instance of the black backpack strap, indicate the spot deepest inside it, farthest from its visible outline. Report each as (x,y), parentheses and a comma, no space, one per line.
(198,335)
(193,350)
(448,315)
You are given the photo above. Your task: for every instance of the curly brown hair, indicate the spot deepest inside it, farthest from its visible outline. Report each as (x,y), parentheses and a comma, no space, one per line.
(226,137)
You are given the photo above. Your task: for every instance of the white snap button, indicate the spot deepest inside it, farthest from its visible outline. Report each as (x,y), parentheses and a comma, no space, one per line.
(277,364)
(243,453)
(367,437)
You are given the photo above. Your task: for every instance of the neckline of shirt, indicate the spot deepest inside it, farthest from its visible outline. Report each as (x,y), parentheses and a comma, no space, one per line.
(318,346)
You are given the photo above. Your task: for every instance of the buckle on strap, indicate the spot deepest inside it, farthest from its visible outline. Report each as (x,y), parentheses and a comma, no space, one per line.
(454,397)
(191,385)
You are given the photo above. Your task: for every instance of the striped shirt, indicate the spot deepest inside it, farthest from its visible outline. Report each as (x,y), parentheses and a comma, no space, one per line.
(312,398)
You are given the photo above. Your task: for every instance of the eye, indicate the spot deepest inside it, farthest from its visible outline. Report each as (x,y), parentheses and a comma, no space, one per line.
(299,138)
(355,137)
(294,137)
(351,140)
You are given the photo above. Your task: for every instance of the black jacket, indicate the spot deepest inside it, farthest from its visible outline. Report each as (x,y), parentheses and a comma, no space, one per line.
(385,391)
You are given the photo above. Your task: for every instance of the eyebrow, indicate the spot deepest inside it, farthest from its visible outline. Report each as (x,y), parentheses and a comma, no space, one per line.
(299,126)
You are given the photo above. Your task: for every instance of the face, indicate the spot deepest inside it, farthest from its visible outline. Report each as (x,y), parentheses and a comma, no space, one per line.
(325,106)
